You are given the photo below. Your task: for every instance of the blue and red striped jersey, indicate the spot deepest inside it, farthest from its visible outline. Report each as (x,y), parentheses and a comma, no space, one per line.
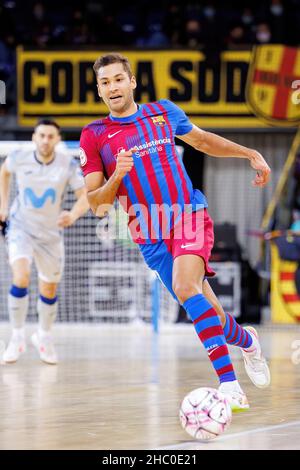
(157,189)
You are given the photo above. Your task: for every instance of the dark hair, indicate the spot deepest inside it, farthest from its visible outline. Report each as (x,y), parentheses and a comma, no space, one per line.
(47,122)
(113,58)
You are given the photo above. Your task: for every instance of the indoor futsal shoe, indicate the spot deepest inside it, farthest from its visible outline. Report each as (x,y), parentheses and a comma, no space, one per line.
(236,397)
(15,348)
(45,348)
(255,364)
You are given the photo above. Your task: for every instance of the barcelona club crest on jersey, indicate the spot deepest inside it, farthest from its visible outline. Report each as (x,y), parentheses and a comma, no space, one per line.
(158,120)
(273,85)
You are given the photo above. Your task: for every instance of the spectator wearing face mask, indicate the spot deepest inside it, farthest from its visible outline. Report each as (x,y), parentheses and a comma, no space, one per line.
(263,34)
(248,22)
(277,21)
(247,17)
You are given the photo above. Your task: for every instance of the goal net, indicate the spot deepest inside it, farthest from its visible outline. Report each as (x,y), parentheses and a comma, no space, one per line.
(105,278)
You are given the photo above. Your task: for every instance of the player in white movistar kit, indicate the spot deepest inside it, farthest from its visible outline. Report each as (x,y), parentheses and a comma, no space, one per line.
(36,223)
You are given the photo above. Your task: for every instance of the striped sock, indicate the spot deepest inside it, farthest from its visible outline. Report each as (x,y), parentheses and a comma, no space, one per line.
(209,329)
(236,334)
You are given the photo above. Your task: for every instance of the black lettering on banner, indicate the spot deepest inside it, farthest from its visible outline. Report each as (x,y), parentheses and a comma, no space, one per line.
(236,75)
(185,94)
(209,82)
(33,95)
(87,82)
(62,82)
(145,81)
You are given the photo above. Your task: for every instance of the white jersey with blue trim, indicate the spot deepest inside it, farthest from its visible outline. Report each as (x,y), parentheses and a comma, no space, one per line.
(40,190)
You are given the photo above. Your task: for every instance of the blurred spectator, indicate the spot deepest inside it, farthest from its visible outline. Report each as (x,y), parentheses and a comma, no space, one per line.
(209,11)
(213,26)
(154,37)
(109,32)
(173,23)
(79,31)
(6,20)
(237,38)
(39,30)
(277,20)
(8,70)
(128,23)
(263,33)
(296,221)
(193,34)
(7,55)
(247,17)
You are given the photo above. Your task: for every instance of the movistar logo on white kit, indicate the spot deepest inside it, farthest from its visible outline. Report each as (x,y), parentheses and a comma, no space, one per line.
(36,201)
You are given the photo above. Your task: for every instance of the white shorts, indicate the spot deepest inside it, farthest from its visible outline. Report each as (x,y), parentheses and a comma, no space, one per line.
(47,255)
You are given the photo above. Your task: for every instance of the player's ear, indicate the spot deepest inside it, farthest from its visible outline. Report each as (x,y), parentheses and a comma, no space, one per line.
(98,89)
(133,82)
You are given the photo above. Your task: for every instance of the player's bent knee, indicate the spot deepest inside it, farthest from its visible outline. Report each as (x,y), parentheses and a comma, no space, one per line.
(21,283)
(48,290)
(21,273)
(21,280)
(185,290)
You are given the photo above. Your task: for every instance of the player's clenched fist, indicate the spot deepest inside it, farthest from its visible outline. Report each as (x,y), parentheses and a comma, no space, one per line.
(65,219)
(124,163)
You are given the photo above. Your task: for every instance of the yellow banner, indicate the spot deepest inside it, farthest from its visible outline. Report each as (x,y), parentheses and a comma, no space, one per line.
(61,85)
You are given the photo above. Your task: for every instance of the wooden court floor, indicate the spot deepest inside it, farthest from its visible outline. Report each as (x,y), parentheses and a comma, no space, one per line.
(120,387)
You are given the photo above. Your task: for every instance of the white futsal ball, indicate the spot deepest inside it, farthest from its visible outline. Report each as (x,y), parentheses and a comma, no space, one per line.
(205,413)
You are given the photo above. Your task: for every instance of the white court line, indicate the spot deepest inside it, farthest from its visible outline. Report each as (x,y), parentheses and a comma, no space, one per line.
(232,436)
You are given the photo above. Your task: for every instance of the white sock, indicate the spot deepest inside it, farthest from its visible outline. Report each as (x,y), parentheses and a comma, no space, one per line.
(18,308)
(47,315)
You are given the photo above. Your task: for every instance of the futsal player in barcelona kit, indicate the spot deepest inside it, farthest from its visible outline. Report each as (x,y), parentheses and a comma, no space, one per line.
(131,155)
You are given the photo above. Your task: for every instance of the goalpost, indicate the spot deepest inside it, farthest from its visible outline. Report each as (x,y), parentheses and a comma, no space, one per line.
(105,277)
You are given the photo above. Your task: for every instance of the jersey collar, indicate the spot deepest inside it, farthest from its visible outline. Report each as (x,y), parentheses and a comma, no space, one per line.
(42,163)
(130,118)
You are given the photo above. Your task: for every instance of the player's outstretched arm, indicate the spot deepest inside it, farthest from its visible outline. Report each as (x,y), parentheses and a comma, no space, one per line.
(5,177)
(101,196)
(217,146)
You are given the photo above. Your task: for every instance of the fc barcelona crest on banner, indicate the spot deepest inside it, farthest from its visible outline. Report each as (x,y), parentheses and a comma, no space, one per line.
(271,90)
(158,120)
(285,288)
(288,289)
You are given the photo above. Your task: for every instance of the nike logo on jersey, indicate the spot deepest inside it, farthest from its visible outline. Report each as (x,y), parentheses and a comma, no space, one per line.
(112,135)
(187,246)
(36,201)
